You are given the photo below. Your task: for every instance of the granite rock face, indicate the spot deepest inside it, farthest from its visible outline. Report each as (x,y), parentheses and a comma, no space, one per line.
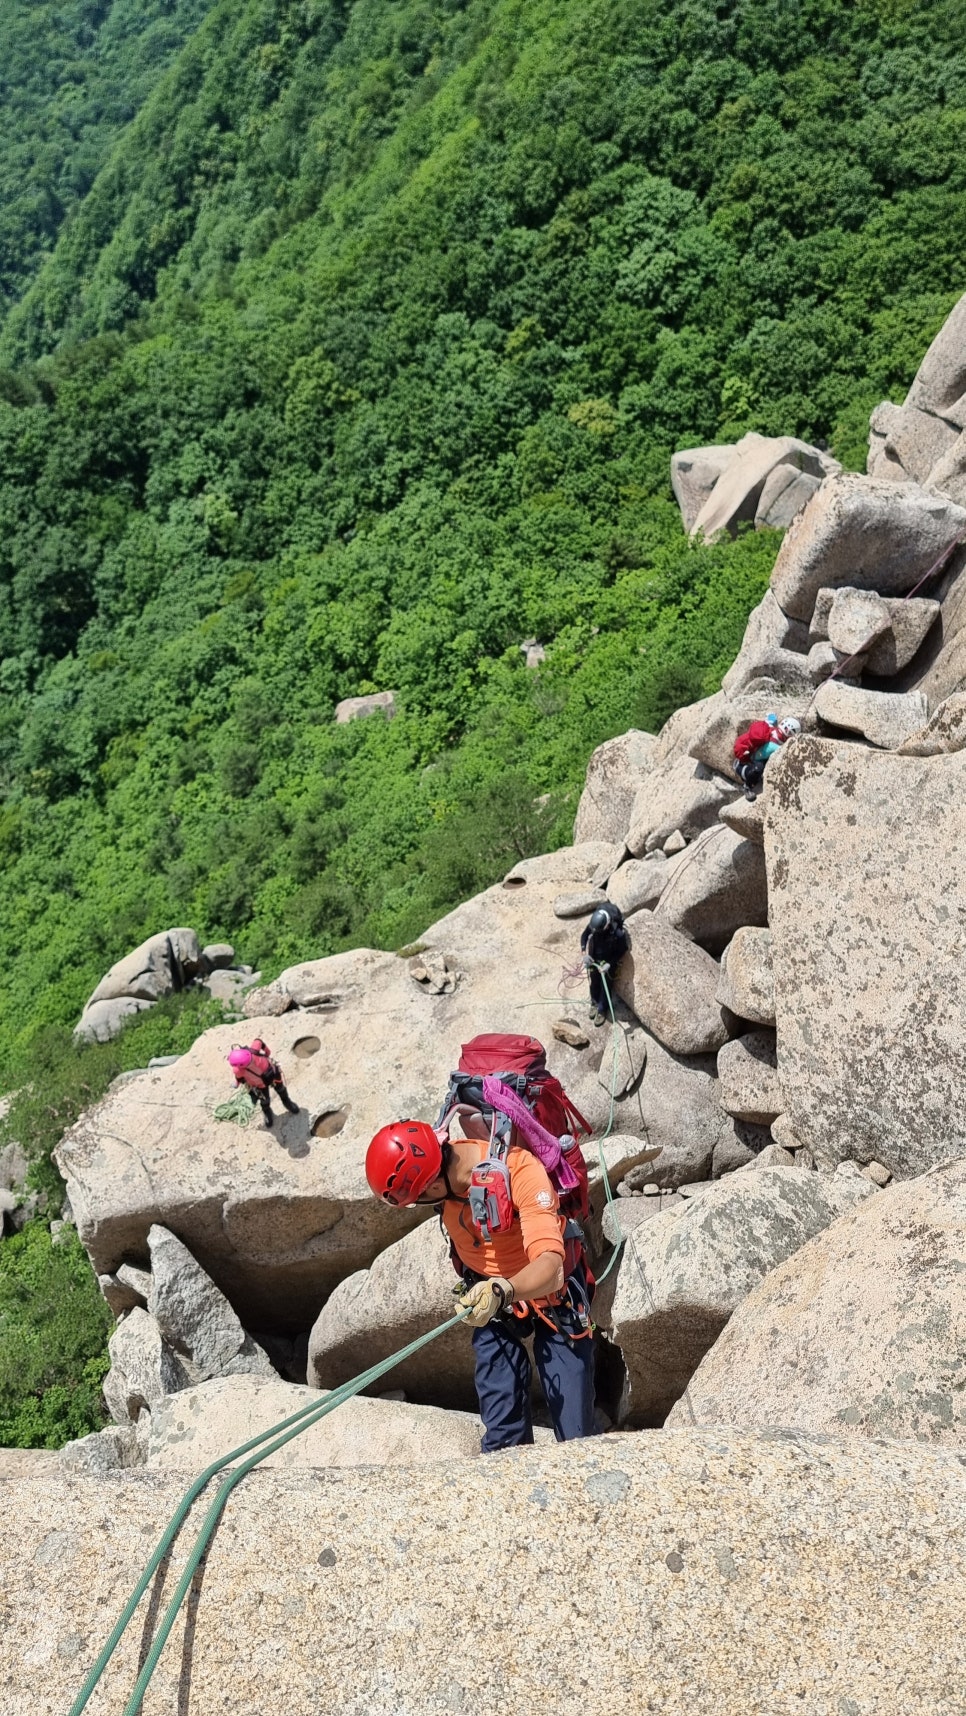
(670,984)
(864,532)
(694,474)
(720,887)
(679,795)
(939,385)
(407,1290)
(614,774)
(861,1333)
(866,857)
(770,637)
(910,623)
(860,1550)
(885,718)
(191,1429)
(194,1318)
(684,1274)
(144,1368)
(944,731)
(638,884)
(749,1085)
(857,618)
(747,982)
(278,1218)
(915,441)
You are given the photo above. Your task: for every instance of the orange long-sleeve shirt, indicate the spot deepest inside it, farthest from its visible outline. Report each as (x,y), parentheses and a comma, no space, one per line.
(537,1226)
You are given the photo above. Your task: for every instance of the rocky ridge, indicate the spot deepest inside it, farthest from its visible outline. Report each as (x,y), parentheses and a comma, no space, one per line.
(782,1079)
(794,995)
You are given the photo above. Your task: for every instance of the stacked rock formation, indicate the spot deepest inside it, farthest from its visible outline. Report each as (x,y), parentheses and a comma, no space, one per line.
(788,1030)
(163,965)
(787,1023)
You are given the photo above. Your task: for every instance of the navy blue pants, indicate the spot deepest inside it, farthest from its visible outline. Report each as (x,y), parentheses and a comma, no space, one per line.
(503,1374)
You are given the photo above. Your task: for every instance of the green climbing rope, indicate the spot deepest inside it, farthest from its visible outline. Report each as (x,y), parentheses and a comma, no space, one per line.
(268,1442)
(608,1193)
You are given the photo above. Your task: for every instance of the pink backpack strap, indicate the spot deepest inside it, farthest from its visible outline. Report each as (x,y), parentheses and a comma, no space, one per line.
(542,1143)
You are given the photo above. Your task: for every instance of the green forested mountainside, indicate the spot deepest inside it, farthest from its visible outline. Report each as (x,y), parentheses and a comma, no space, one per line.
(72,75)
(360,363)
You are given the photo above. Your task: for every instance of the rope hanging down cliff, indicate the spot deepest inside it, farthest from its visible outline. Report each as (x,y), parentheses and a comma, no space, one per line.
(267,1443)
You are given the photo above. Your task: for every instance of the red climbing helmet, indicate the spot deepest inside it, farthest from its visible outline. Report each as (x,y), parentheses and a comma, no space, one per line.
(402,1160)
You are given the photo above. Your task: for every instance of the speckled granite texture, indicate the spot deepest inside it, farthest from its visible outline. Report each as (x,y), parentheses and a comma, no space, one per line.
(697,1571)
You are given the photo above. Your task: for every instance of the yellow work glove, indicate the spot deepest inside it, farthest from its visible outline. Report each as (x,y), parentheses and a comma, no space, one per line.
(484,1300)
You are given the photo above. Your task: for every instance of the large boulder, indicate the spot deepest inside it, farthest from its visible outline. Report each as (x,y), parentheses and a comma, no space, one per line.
(861,531)
(190,1430)
(614,774)
(861,1333)
(939,385)
(407,1290)
(944,731)
(638,885)
(101,1021)
(679,795)
(743,491)
(694,473)
(670,984)
(949,475)
(372,703)
(885,718)
(770,648)
(749,1086)
(911,622)
(718,887)
(683,1276)
(194,1318)
(162,964)
(144,1368)
(866,857)
(697,1556)
(747,819)
(857,619)
(674,1106)
(278,1218)
(747,982)
(907,443)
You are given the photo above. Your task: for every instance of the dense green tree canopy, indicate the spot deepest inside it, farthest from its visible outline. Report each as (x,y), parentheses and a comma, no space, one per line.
(359,363)
(72,75)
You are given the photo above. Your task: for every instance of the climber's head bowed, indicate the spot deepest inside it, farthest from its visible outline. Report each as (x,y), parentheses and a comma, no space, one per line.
(405,1164)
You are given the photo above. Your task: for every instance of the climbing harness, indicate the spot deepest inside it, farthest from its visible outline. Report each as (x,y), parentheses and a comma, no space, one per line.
(268,1442)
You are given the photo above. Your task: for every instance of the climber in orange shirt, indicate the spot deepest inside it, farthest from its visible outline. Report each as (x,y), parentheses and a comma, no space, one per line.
(517,1277)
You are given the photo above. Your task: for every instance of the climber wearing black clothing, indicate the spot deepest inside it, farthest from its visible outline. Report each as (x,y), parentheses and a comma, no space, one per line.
(603,943)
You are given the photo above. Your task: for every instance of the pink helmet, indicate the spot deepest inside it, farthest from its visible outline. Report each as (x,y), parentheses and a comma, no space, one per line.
(238,1057)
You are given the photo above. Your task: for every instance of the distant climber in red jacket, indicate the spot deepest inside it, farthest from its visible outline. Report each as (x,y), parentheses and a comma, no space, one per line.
(253,1066)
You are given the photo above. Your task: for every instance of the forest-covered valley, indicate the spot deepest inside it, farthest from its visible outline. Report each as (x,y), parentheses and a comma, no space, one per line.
(344,349)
